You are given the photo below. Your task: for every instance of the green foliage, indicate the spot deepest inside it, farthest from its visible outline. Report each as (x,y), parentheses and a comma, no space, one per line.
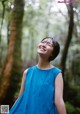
(77,110)
(70,108)
(77,98)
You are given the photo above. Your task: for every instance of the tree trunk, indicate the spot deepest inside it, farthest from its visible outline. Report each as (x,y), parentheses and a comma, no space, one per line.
(69,37)
(11,73)
(1,50)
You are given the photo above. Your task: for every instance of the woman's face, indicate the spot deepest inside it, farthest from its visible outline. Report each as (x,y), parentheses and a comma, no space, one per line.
(45,47)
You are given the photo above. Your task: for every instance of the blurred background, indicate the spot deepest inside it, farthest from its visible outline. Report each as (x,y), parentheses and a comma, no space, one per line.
(23,23)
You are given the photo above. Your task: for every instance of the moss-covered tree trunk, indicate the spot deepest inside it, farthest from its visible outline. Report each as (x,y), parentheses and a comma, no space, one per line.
(11,73)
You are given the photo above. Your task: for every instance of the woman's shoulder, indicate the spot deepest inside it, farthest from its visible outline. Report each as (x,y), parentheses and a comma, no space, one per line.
(29,68)
(25,71)
(58,69)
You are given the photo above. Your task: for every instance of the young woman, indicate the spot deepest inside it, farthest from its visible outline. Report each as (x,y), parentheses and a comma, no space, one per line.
(42,85)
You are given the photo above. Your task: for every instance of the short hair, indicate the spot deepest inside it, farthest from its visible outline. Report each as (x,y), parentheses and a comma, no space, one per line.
(56,48)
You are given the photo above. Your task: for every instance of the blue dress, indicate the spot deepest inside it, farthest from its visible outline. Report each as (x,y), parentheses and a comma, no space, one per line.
(38,95)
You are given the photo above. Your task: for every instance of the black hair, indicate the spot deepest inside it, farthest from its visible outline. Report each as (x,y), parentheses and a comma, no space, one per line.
(56,48)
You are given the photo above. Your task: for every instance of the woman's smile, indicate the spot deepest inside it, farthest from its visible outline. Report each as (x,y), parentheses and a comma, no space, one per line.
(42,49)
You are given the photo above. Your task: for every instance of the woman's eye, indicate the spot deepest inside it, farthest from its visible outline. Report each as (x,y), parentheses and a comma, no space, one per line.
(47,43)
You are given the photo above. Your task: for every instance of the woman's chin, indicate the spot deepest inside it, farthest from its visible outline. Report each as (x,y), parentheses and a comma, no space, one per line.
(41,52)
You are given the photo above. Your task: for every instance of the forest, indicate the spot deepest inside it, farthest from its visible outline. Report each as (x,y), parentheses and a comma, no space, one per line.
(23,23)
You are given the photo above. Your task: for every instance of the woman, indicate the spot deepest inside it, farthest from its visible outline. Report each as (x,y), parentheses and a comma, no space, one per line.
(42,85)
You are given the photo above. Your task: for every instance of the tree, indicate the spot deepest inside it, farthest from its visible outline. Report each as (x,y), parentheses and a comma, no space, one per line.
(3,13)
(69,37)
(11,72)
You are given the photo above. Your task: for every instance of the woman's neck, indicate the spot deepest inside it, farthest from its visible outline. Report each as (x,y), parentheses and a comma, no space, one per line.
(44,64)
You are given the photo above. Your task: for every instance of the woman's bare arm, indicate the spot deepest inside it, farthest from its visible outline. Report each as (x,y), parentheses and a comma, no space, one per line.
(59,95)
(23,82)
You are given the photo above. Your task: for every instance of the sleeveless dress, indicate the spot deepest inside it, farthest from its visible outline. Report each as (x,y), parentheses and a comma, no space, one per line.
(38,95)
